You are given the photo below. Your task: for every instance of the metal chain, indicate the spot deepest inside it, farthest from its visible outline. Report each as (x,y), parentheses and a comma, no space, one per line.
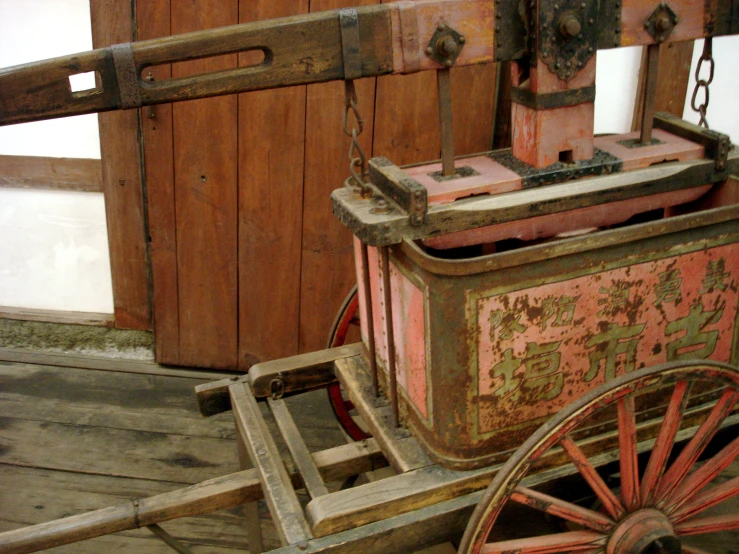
(357,159)
(707,55)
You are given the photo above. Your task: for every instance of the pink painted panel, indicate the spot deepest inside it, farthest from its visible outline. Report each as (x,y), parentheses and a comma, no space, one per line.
(540,348)
(409,325)
(409,329)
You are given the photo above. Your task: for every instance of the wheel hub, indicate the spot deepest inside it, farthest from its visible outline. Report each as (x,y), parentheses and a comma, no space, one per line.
(645,531)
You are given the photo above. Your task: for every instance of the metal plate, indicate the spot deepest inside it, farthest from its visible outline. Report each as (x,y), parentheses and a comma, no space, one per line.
(563,51)
(601,163)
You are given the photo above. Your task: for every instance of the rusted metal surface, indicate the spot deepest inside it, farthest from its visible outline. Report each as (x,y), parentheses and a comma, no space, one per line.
(650,92)
(567,35)
(507,345)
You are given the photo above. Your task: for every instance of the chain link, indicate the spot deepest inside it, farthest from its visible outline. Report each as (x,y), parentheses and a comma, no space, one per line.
(702,84)
(357,158)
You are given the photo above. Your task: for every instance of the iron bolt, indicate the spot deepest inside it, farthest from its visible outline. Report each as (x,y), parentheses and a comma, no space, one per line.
(569,25)
(662,22)
(447,47)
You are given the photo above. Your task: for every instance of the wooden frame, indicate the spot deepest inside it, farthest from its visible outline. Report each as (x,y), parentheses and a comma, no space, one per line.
(39,172)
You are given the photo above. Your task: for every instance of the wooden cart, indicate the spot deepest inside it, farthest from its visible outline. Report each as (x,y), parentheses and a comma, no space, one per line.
(561,312)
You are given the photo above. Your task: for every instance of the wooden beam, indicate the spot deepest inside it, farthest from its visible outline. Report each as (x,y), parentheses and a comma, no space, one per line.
(277,486)
(57,316)
(61,359)
(122,184)
(39,172)
(221,493)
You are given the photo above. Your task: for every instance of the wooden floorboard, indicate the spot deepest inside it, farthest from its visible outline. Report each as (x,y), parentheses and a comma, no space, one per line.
(74,439)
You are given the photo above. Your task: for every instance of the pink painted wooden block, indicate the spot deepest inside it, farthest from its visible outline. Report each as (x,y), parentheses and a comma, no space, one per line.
(671,148)
(490,178)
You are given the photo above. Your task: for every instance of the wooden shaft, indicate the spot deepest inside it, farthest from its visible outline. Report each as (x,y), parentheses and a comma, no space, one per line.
(221,493)
(295,50)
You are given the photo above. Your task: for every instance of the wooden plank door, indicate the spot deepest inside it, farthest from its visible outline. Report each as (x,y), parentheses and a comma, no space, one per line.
(248,263)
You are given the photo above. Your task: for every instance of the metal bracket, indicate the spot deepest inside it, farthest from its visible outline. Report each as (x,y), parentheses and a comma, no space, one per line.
(405,191)
(661,23)
(568,35)
(126,76)
(717,145)
(350,43)
(445,45)
(601,163)
(570,97)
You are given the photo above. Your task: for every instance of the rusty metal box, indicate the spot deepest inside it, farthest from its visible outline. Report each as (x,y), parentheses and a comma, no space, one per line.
(488,347)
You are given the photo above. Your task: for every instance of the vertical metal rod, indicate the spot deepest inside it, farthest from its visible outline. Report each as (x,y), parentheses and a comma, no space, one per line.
(173,543)
(370,318)
(444,84)
(650,92)
(393,385)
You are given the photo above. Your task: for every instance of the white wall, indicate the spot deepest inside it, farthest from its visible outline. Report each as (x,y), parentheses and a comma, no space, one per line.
(53,244)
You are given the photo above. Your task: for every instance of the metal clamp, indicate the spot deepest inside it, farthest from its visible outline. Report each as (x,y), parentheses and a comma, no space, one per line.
(350,43)
(126,75)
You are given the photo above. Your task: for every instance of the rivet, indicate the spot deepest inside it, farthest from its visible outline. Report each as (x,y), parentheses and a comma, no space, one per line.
(591,21)
(498,15)
(556,6)
(590,49)
(441,27)
(448,63)
(557,65)
(462,39)
(429,50)
(497,28)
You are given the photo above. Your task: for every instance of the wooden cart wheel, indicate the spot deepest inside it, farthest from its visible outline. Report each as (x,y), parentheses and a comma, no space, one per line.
(344,410)
(649,511)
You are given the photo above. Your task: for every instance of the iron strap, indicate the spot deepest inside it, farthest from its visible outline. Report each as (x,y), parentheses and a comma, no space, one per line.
(553,99)
(125,71)
(350,43)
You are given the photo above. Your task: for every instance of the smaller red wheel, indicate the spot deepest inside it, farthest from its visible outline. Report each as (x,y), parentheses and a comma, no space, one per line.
(343,408)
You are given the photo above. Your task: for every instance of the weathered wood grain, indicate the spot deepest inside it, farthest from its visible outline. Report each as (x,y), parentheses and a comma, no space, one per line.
(206,201)
(124,197)
(57,316)
(276,483)
(271,127)
(153,20)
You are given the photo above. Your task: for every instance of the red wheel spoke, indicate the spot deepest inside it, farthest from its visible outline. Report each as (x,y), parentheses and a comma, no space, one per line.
(707,499)
(628,460)
(665,440)
(713,524)
(601,490)
(704,475)
(561,508)
(572,541)
(674,476)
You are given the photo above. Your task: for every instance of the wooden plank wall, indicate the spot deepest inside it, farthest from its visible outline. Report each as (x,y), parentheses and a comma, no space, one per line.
(112,22)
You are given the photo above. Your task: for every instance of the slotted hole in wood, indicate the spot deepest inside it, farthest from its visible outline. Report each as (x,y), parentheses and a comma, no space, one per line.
(248,59)
(85,84)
